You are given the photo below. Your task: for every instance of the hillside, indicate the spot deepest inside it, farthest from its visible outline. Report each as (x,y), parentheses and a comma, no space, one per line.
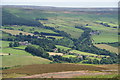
(35,36)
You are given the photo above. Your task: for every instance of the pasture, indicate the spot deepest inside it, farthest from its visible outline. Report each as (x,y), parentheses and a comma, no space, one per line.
(62,47)
(82,53)
(16,32)
(69,56)
(18,56)
(107,47)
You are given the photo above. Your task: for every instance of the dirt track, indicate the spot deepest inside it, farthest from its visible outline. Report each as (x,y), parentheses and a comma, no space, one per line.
(67,74)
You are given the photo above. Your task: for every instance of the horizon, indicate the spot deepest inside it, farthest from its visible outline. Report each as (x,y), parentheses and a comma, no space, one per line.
(65,3)
(58,6)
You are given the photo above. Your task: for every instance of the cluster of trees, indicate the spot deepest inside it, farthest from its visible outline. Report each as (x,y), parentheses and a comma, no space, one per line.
(62,33)
(84,43)
(102,61)
(14,44)
(42,53)
(45,43)
(48,34)
(61,59)
(64,42)
(41,19)
(37,51)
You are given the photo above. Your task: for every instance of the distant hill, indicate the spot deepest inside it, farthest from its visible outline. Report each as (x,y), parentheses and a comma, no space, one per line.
(10,19)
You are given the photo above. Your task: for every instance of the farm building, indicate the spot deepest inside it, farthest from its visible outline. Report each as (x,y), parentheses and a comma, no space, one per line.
(24,43)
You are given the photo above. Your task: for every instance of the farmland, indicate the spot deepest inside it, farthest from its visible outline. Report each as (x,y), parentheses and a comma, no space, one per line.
(68,56)
(19,57)
(82,53)
(107,47)
(15,32)
(59,42)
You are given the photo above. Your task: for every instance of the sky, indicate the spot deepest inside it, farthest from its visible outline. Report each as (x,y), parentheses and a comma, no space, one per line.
(64,3)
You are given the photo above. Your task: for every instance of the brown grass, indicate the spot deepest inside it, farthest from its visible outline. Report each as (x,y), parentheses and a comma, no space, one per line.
(3,54)
(49,68)
(52,53)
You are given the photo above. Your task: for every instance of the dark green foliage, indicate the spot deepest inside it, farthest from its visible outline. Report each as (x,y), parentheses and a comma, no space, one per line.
(15,44)
(37,51)
(65,42)
(10,19)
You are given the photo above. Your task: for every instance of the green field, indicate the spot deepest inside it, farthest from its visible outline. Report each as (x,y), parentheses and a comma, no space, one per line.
(62,47)
(19,60)
(29,29)
(68,56)
(19,56)
(82,53)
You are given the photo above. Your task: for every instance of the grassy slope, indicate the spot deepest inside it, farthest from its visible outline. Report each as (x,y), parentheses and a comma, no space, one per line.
(20,57)
(107,47)
(62,47)
(16,32)
(82,53)
(68,56)
(47,68)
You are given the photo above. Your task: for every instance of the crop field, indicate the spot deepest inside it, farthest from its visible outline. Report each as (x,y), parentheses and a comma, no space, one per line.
(62,47)
(82,53)
(53,53)
(107,47)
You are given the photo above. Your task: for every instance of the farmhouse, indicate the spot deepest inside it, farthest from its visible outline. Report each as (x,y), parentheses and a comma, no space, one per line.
(24,43)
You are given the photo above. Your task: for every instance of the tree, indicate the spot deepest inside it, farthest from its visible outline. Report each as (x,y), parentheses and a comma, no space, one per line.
(10,44)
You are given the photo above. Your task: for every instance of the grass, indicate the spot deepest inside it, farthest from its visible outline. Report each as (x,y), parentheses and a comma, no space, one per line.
(62,47)
(24,46)
(107,47)
(15,32)
(82,53)
(5,43)
(19,56)
(30,29)
(68,56)
(15,51)
(14,60)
